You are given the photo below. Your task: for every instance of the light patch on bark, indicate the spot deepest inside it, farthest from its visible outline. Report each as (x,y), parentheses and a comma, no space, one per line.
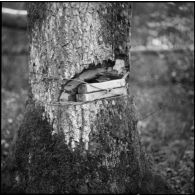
(75,121)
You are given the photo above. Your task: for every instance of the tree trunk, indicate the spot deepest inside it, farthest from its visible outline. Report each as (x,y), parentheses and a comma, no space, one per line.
(66,39)
(83,147)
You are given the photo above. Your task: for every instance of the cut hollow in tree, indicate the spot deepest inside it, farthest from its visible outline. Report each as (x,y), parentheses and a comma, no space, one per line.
(103,78)
(93,91)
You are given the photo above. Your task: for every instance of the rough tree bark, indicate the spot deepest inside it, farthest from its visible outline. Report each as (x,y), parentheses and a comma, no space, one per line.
(88,147)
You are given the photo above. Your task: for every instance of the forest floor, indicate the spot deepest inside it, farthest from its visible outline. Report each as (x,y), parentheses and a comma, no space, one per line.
(166,121)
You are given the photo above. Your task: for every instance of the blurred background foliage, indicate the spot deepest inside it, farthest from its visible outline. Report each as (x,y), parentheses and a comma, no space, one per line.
(161,80)
(170,24)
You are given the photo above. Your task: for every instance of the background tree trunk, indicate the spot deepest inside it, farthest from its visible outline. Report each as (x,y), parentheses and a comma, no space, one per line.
(88,147)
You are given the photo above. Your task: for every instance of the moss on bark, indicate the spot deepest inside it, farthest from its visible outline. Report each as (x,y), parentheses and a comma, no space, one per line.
(45,164)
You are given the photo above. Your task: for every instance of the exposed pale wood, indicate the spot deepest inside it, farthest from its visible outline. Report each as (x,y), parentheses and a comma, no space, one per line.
(14,18)
(119,66)
(92,87)
(101,94)
(66,97)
